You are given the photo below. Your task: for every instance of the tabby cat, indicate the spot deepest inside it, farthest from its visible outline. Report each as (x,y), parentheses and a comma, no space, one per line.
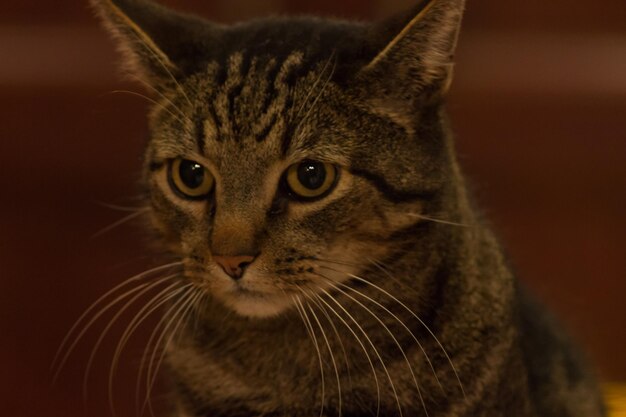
(302,172)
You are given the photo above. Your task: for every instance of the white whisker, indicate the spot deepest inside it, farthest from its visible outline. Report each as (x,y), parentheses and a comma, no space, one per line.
(150,100)
(332,356)
(388,274)
(118,207)
(309,326)
(343,263)
(420,321)
(393,337)
(120,222)
(337,335)
(319,95)
(144,288)
(360,342)
(146,311)
(402,324)
(435,220)
(59,359)
(369,340)
(314,86)
(190,296)
(152,344)
(159,59)
(163,97)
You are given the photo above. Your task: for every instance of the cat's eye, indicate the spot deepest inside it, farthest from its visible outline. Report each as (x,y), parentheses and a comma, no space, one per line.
(311,180)
(189,179)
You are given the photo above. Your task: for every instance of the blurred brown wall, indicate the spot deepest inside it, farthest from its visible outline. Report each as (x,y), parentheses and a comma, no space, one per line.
(538,107)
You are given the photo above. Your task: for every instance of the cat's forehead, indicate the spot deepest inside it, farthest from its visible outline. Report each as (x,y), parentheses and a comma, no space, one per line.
(252,107)
(256,97)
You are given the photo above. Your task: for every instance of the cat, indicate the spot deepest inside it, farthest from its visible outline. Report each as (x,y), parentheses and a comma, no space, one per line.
(303,173)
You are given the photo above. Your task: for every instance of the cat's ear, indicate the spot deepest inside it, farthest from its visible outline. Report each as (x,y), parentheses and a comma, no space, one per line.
(418,50)
(158,44)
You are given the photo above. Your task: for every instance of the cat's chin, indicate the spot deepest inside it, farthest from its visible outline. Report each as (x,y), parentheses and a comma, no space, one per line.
(256,305)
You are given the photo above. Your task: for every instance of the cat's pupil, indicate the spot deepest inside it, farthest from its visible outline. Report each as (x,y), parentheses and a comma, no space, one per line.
(191,174)
(312,175)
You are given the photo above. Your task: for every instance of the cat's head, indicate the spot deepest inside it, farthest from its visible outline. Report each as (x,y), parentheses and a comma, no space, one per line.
(287,154)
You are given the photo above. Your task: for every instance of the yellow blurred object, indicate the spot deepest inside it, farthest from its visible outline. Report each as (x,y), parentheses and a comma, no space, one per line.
(615,395)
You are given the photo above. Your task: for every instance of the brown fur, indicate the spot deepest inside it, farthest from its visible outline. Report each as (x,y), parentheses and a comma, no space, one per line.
(389,280)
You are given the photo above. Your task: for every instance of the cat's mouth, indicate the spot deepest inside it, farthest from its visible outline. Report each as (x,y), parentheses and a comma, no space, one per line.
(239,290)
(254,303)
(250,299)
(262,293)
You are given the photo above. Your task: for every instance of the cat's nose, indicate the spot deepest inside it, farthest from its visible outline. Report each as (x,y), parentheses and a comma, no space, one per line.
(234,266)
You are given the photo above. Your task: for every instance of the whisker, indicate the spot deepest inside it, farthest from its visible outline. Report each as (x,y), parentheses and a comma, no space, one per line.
(163,97)
(393,337)
(314,86)
(435,220)
(344,263)
(153,344)
(146,311)
(149,100)
(360,342)
(59,360)
(159,59)
(332,324)
(191,295)
(401,323)
(369,340)
(388,274)
(312,107)
(118,207)
(120,222)
(200,306)
(359,266)
(445,352)
(332,356)
(191,303)
(309,326)
(144,289)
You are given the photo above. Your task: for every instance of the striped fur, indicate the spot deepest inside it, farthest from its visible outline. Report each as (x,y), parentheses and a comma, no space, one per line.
(390,296)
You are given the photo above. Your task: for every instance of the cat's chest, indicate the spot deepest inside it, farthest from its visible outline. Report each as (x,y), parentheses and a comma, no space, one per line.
(268,375)
(285,378)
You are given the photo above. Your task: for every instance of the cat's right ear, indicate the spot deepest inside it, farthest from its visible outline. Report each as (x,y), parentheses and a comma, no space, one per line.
(416,51)
(158,44)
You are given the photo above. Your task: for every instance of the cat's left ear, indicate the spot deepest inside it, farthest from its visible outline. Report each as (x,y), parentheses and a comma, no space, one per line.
(418,51)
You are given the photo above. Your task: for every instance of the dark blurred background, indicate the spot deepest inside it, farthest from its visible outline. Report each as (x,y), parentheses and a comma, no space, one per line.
(539,108)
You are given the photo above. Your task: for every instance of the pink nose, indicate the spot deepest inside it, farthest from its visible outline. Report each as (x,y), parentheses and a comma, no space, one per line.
(234,266)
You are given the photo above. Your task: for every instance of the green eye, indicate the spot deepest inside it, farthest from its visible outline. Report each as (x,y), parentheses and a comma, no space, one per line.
(311,180)
(190,179)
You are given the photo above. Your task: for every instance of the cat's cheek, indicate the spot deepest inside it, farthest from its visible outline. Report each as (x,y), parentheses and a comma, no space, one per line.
(348,258)
(391,218)
(183,225)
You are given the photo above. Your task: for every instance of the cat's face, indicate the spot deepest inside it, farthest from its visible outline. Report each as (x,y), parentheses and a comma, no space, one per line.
(254,182)
(288,155)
